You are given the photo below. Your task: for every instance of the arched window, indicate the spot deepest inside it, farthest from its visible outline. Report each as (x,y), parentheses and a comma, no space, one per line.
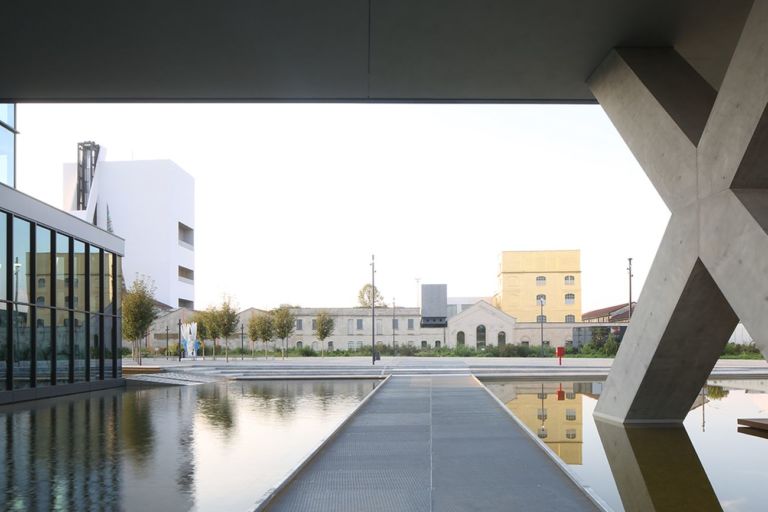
(570,319)
(570,298)
(502,338)
(570,280)
(41,282)
(437,343)
(424,344)
(541,298)
(481,334)
(41,300)
(460,338)
(541,280)
(299,345)
(330,345)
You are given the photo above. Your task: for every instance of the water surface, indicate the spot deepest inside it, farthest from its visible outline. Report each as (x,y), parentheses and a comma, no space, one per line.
(706,464)
(202,448)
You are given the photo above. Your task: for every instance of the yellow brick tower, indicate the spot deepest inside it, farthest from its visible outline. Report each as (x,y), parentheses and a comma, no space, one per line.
(527,276)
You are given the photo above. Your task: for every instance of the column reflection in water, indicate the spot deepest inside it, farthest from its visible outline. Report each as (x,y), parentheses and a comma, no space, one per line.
(656,469)
(62,456)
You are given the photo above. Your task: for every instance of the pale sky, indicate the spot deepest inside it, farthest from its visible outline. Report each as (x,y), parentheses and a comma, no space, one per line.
(292,199)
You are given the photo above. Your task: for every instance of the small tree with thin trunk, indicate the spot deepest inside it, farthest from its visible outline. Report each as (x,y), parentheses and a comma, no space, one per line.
(225,318)
(138,311)
(261,327)
(212,326)
(323,328)
(284,323)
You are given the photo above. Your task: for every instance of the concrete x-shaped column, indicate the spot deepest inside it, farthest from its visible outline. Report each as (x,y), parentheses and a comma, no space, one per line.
(706,152)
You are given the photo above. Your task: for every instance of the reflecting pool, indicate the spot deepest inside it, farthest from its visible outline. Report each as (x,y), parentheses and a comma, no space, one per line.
(707,464)
(203,448)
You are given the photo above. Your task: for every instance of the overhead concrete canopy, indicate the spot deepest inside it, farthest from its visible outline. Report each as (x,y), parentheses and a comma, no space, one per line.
(344,50)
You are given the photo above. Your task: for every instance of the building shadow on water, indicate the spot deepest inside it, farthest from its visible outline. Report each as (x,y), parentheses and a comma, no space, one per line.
(656,469)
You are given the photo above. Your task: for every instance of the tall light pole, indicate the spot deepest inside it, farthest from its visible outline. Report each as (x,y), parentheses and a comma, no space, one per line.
(373,310)
(541,321)
(179,339)
(16,269)
(394,345)
(629,270)
(242,341)
(418,292)
(166,341)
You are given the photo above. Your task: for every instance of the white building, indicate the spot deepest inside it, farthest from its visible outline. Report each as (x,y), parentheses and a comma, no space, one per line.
(149,203)
(475,326)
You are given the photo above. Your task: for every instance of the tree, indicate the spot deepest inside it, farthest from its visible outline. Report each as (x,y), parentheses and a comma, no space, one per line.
(212,326)
(599,337)
(261,327)
(324,328)
(611,346)
(225,318)
(138,311)
(367,294)
(284,323)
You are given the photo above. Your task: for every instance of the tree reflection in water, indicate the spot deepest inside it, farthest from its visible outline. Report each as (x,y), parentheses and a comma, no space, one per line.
(284,398)
(215,406)
(136,424)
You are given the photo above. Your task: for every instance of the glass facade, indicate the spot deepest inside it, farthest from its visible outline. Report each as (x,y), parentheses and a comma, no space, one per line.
(7,144)
(59,307)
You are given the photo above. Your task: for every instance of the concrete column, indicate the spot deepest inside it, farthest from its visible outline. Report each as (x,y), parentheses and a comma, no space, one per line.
(706,153)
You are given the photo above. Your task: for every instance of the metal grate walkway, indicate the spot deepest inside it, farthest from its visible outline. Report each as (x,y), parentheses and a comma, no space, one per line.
(428,443)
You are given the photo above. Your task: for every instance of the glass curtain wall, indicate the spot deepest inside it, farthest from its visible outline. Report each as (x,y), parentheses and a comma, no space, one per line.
(20,320)
(7,144)
(44,284)
(4,304)
(59,308)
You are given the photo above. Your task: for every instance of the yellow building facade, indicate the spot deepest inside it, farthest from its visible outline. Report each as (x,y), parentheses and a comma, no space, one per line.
(556,420)
(526,276)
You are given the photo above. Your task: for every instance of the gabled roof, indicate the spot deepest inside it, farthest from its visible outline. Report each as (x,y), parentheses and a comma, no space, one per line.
(484,306)
(599,313)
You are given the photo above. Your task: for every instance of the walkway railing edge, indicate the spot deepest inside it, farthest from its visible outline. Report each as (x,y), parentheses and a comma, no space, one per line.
(587,490)
(269,496)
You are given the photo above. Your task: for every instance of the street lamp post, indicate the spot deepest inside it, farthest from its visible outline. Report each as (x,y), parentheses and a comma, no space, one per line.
(541,321)
(629,270)
(16,269)
(179,339)
(166,342)
(373,311)
(242,341)
(394,345)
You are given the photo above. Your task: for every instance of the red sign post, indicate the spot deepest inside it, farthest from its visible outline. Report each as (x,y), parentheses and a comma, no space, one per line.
(560,352)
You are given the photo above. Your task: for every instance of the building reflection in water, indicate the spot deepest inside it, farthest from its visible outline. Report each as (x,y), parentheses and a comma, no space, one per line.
(552,410)
(656,469)
(211,447)
(48,468)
